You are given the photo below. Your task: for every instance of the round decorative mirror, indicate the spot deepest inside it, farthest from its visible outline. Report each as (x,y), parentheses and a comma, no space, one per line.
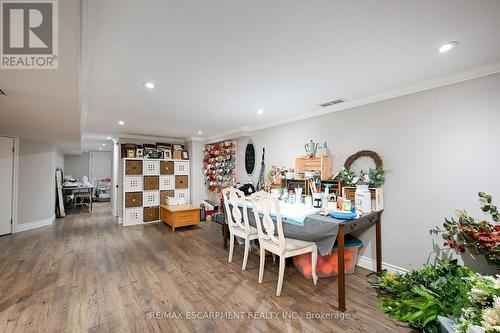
(250,158)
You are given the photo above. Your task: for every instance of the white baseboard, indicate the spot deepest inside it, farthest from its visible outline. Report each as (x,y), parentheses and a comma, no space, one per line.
(35,224)
(371,265)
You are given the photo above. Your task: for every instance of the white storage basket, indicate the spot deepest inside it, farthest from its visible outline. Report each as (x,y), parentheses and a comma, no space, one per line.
(167,182)
(150,198)
(151,168)
(132,183)
(133,216)
(181,168)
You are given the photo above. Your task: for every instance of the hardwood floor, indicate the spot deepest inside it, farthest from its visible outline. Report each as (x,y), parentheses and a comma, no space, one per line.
(86,273)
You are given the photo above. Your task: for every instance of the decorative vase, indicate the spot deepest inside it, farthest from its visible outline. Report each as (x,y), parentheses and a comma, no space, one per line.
(363,199)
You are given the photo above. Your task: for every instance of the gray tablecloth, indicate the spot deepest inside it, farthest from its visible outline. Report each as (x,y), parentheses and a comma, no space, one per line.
(320,229)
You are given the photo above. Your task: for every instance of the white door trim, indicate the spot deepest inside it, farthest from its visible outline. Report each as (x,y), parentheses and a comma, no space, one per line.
(15,175)
(15,168)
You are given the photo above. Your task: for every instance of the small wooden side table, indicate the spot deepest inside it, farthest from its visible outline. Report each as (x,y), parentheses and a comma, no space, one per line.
(180,215)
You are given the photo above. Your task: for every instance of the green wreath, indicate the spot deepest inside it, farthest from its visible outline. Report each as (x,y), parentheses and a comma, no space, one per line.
(374,177)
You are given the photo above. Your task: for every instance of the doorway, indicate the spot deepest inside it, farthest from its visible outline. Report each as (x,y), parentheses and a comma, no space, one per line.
(7,181)
(100,174)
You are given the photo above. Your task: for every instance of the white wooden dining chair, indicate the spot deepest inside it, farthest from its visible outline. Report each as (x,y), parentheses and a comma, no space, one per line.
(237,220)
(264,207)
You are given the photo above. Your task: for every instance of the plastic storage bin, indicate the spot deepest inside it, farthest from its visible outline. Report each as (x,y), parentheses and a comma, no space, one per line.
(328,265)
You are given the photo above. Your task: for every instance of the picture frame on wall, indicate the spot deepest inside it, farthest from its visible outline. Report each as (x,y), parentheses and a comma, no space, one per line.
(185,155)
(177,146)
(139,153)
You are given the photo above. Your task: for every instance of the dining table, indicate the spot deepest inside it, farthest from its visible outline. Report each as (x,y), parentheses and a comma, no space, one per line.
(328,232)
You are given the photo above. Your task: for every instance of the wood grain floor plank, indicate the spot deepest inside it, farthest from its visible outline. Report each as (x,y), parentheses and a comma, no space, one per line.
(86,273)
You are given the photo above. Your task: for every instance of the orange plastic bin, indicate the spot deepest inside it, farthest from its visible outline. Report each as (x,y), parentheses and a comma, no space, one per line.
(328,265)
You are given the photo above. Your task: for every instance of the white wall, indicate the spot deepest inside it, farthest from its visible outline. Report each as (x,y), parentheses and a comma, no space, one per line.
(77,165)
(442,145)
(115,162)
(36,185)
(100,165)
(195,149)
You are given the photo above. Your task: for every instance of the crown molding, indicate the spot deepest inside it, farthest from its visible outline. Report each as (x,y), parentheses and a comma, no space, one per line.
(194,139)
(148,138)
(235,133)
(441,81)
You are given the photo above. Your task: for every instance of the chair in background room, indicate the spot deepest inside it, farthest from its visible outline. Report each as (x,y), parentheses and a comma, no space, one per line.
(237,220)
(265,207)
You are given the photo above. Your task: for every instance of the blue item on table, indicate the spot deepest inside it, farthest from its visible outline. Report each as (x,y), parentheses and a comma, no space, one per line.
(344,216)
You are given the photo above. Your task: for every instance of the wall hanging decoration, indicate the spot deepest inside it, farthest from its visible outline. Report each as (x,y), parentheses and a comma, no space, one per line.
(219,165)
(374,177)
(364,189)
(250,158)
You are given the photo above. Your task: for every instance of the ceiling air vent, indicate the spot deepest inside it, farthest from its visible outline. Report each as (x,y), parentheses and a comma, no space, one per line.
(2,92)
(337,101)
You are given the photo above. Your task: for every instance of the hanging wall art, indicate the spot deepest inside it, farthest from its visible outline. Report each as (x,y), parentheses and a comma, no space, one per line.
(220,165)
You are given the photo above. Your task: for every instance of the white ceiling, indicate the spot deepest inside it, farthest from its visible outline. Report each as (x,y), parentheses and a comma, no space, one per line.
(215,63)
(44,104)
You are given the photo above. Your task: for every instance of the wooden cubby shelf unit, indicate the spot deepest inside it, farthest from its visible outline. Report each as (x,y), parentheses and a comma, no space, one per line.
(147,183)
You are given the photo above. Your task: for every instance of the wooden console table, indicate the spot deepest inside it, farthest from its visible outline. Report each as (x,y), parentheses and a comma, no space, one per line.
(180,215)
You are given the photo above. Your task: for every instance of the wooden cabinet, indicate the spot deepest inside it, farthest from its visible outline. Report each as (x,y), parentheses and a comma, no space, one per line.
(322,164)
(151,214)
(133,199)
(133,167)
(166,167)
(181,182)
(151,183)
(180,216)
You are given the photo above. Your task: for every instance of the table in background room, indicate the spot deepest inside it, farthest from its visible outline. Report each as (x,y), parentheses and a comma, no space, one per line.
(79,189)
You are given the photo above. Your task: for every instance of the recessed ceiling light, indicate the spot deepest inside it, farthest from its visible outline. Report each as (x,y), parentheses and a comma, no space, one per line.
(447,47)
(108,138)
(121,123)
(149,85)
(200,132)
(260,111)
(103,144)
(100,148)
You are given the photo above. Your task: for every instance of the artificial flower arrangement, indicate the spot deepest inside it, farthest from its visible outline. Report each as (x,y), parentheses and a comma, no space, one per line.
(478,236)
(374,177)
(447,289)
(442,289)
(483,313)
(277,174)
